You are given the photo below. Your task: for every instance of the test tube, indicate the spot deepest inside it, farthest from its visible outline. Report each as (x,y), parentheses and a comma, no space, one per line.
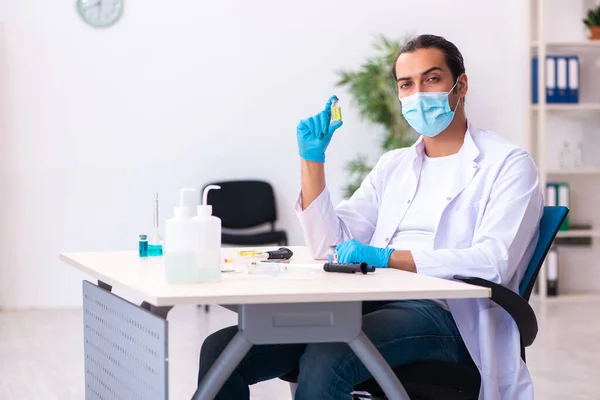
(155,244)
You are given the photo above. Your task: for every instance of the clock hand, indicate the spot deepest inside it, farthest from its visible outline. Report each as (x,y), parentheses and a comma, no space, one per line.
(92,5)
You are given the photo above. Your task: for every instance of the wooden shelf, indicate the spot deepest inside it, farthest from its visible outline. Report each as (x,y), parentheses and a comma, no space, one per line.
(567,106)
(578,233)
(550,117)
(570,43)
(575,171)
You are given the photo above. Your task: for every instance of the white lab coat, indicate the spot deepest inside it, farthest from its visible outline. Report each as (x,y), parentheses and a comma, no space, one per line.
(488,229)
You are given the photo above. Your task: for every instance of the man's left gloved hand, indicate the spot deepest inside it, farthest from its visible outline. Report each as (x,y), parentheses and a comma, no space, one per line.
(353,251)
(314,134)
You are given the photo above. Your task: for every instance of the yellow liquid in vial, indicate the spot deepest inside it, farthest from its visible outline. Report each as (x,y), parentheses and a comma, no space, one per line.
(336,113)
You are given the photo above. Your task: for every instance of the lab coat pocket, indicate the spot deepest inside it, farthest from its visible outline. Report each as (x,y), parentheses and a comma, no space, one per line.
(496,343)
(462,225)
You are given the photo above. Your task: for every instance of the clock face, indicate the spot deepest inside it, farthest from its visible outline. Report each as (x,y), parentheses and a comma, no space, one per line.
(100,13)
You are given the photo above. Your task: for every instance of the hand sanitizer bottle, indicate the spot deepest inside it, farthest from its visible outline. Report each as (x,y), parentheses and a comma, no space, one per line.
(181,255)
(208,236)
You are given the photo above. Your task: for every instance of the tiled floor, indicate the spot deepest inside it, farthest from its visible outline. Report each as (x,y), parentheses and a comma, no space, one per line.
(41,353)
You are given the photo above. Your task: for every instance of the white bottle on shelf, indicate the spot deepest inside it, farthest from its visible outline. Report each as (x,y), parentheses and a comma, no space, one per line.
(181,247)
(578,160)
(208,237)
(566,156)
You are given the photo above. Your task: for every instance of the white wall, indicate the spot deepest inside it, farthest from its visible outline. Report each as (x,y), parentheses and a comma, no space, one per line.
(185,92)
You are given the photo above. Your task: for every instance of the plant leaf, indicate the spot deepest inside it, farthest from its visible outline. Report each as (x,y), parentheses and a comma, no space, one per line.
(375,95)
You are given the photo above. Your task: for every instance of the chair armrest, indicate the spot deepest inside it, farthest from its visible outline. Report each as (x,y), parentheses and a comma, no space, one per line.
(518,308)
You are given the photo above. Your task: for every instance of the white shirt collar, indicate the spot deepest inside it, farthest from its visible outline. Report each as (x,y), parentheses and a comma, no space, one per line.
(469,149)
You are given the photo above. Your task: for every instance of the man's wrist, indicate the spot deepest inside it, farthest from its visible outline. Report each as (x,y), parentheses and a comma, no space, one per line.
(312,163)
(313,157)
(402,259)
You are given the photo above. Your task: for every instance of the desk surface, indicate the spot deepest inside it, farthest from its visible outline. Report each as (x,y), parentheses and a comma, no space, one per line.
(146,278)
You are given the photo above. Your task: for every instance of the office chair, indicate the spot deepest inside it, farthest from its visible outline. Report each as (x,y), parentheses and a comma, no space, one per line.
(243,205)
(431,380)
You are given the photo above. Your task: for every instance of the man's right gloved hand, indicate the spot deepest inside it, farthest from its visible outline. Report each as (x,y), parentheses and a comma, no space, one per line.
(353,251)
(314,134)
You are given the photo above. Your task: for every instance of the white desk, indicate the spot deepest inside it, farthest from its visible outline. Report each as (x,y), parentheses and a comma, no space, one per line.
(322,307)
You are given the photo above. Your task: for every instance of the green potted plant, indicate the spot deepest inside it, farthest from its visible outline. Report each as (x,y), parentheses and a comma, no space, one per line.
(375,94)
(593,23)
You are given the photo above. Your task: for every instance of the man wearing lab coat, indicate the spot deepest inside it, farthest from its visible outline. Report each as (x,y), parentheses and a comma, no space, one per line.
(460,201)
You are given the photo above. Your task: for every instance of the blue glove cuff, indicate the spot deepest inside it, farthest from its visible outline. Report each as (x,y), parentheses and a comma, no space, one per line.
(315,156)
(384,258)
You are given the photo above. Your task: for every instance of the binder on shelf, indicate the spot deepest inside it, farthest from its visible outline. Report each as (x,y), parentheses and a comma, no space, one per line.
(534,80)
(550,79)
(557,194)
(562,199)
(573,79)
(551,194)
(561,80)
(552,265)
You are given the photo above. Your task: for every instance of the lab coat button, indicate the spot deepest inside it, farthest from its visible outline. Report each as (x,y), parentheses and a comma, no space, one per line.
(408,201)
(448,198)
(387,239)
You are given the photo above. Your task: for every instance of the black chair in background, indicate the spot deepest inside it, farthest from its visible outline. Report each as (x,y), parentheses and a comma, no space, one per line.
(246,205)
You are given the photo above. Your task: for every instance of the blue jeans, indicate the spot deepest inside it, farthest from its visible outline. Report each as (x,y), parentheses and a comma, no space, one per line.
(403,332)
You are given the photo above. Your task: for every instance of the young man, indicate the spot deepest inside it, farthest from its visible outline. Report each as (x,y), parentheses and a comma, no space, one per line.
(460,201)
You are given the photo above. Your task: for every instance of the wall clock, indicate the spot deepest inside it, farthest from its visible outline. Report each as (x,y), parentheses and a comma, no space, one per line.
(100,13)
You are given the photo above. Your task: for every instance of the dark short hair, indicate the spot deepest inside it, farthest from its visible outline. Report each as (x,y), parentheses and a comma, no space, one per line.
(453,57)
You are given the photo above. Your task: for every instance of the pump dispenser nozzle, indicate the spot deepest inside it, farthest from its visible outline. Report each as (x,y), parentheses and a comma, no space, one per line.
(205,209)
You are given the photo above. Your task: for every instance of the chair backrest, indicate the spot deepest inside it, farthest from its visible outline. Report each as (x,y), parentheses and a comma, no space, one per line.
(552,218)
(243,204)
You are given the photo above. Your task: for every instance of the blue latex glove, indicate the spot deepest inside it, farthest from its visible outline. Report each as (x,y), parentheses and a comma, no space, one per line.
(314,134)
(353,251)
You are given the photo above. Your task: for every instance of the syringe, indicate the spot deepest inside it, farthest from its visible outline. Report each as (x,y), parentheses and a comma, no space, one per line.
(283,253)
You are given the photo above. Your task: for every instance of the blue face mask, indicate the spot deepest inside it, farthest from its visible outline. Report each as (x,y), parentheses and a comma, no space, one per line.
(428,113)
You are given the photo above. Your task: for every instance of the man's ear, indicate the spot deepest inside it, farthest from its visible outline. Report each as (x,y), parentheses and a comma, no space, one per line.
(463,85)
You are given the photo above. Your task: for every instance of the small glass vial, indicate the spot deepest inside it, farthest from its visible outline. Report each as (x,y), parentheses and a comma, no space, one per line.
(332,256)
(336,111)
(143,246)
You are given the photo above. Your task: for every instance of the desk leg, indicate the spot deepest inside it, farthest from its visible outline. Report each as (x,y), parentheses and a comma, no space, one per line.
(229,359)
(381,371)
(318,323)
